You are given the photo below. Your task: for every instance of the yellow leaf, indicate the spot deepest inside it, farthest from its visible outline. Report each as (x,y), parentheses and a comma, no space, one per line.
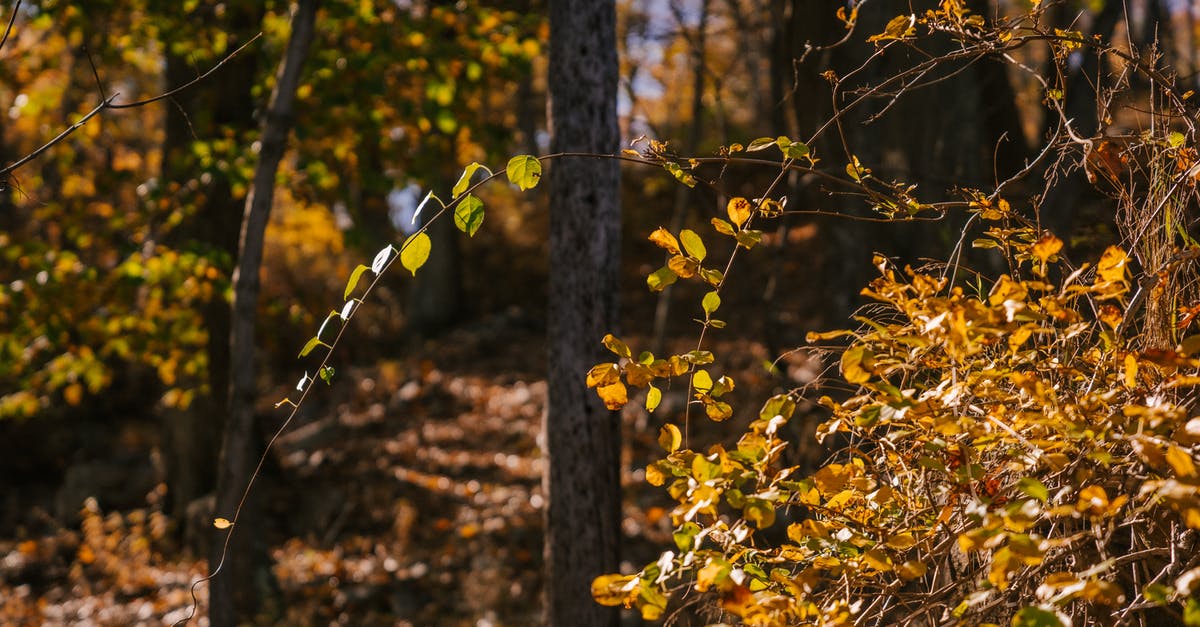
(615,590)
(415,252)
(1046,247)
(878,560)
(653,398)
(603,374)
(856,364)
(1131,369)
(912,569)
(693,245)
(702,382)
(663,239)
(1181,462)
(524,171)
(713,573)
(222,523)
(1111,267)
(684,267)
(739,210)
(669,438)
(614,395)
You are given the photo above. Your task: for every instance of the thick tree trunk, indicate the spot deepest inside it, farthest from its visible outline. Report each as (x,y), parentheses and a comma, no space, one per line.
(235,591)
(582,482)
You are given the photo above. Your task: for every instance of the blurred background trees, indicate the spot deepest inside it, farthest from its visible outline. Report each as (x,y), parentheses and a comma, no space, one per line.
(117,246)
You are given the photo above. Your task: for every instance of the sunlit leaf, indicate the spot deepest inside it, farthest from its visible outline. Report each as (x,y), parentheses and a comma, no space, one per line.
(312,343)
(464,181)
(353,282)
(524,171)
(614,344)
(381,258)
(685,536)
(603,374)
(710,303)
(222,523)
(759,513)
(762,143)
(468,215)
(670,438)
(615,590)
(739,210)
(661,278)
(702,382)
(653,398)
(663,239)
(693,244)
(1031,616)
(1046,247)
(749,238)
(1181,462)
(614,395)
(1034,488)
(684,267)
(856,364)
(723,227)
(415,252)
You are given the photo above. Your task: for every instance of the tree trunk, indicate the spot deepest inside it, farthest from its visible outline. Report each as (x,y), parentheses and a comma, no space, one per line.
(192,436)
(582,482)
(235,592)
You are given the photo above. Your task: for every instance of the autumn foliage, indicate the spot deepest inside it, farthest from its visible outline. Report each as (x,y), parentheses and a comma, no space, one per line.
(1013,444)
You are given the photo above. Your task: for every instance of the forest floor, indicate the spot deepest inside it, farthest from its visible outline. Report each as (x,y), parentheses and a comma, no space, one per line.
(408,494)
(412,497)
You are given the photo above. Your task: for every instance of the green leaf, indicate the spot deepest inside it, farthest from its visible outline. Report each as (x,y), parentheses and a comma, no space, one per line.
(468,215)
(308,348)
(415,252)
(653,398)
(693,244)
(711,301)
(677,171)
(762,143)
(1157,593)
(1191,613)
(712,276)
(759,513)
(354,277)
(1176,139)
(524,171)
(464,181)
(661,278)
(749,238)
(1034,488)
(702,382)
(326,374)
(796,150)
(1031,616)
(685,536)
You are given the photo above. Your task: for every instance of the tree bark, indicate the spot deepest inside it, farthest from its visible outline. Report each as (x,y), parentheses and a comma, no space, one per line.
(582,482)
(192,436)
(235,591)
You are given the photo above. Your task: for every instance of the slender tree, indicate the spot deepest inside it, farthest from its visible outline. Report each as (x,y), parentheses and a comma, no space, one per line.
(582,437)
(235,592)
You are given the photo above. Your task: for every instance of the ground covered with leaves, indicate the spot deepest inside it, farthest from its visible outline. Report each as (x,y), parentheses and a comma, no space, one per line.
(409,494)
